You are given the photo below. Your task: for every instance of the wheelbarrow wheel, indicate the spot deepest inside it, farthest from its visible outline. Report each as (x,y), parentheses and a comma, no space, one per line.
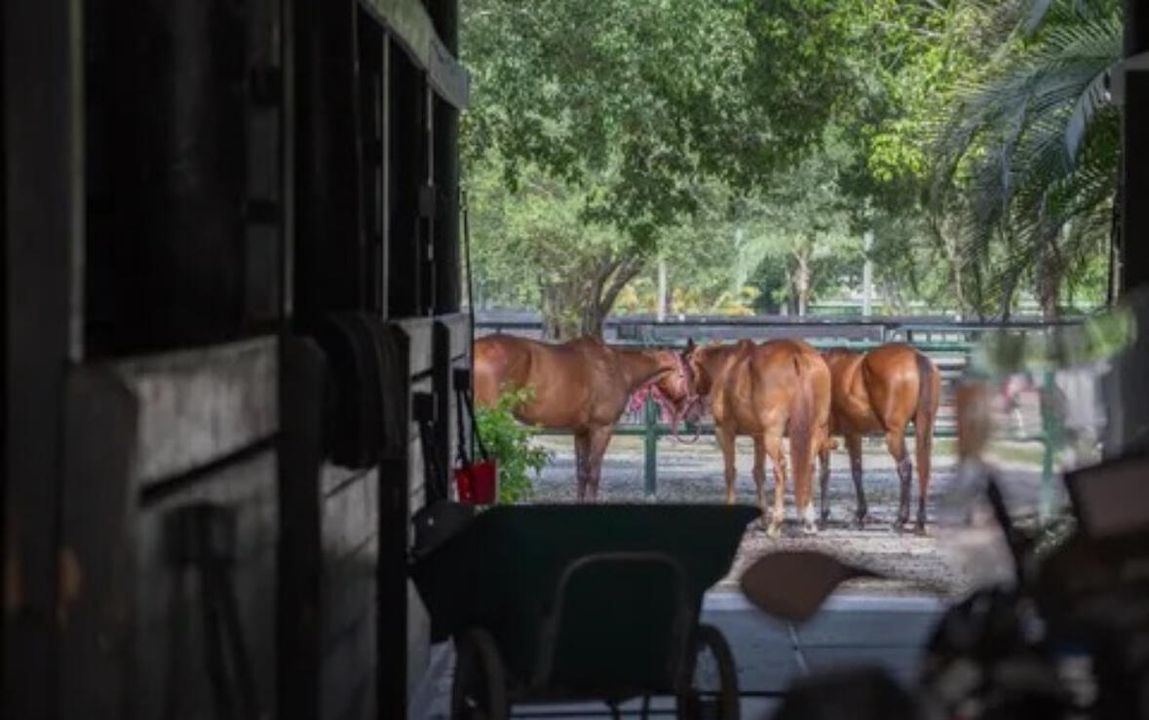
(711,681)
(479,689)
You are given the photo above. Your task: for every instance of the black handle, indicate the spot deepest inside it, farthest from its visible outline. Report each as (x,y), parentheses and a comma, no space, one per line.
(434,475)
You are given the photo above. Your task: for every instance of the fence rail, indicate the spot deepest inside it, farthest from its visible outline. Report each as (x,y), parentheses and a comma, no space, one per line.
(649,330)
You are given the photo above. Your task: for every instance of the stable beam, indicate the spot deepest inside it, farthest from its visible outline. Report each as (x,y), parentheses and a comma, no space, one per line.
(43,215)
(1135,152)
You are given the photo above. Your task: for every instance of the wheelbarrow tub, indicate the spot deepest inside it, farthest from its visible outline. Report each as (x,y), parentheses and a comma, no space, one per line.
(501,573)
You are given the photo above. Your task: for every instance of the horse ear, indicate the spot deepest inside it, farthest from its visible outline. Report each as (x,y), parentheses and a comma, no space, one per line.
(689,345)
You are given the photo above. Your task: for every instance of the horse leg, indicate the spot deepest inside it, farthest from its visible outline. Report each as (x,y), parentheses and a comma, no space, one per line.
(581,443)
(725,439)
(924,445)
(599,439)
(896,443)
(854,448)
(760,472)
(824,481)
(774,452)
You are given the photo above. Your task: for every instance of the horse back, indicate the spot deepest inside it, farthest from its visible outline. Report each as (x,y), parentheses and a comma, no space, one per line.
(765,384)
(893,379)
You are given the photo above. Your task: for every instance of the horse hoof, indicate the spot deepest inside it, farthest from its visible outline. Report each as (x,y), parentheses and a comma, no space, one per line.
(920,529)
(860,521)
(774,530)
(809,529)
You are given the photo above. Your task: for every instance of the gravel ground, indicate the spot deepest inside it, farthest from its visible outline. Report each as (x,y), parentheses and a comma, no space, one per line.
(959,551)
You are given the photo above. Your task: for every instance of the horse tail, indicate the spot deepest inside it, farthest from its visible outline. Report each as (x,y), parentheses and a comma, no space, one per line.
(929,386)
(803,428)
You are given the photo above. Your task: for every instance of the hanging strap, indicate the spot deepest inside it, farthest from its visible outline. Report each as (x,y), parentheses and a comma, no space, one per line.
(464,392)
(464,399)
(433,474)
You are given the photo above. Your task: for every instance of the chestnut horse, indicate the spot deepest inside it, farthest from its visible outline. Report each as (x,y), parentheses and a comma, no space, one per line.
(581,386)
(881,391)
(769,391)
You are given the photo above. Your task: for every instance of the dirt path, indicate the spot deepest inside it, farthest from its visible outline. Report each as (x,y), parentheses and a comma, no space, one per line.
(955,555)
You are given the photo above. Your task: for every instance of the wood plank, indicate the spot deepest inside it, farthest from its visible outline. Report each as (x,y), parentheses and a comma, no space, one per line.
(391,678)
(299,460)
(169,636)
(458,325)
(346,676)
(200,405)
(333,477)
(412,27)
(98,514)
(420,341)
(350,517)
(348,591)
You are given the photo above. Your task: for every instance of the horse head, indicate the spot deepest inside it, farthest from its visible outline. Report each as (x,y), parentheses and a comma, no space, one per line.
(676,391)
(692,356)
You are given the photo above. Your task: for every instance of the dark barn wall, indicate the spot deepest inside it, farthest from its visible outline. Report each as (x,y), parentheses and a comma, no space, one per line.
(201,184)
(183,178)
(374,189)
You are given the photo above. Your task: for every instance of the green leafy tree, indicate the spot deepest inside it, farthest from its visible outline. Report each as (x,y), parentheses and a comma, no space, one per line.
(600,117)
(624,112)
(802,225)
(713,147)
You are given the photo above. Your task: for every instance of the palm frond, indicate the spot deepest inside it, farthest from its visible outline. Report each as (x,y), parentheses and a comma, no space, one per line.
(1032,147)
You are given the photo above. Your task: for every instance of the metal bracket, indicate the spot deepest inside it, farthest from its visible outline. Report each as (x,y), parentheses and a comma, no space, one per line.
(423,407)
(1116,79)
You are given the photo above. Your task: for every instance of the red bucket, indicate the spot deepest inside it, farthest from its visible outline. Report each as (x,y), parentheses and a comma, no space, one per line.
(478,483)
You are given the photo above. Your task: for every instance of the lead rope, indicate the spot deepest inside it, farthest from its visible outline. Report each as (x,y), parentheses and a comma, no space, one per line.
(465,395)
(465,400)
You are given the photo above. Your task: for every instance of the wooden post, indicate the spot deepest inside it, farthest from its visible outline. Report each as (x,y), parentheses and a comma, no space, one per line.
(1129,384)
(40,276)
(1135,151)
(1049,442)
(445,14)
(650,447)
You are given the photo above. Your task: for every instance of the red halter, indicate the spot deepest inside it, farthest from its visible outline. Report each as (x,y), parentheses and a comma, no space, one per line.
(665,406)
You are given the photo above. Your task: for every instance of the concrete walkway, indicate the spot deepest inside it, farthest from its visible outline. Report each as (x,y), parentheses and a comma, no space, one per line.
(851,629)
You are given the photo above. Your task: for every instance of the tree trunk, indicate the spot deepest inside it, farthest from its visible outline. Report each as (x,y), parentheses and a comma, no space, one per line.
(579,306)
(554,314)
(950,249)
(663,290)
(592,321)
(1009,289)
(802,283)
(1049,279)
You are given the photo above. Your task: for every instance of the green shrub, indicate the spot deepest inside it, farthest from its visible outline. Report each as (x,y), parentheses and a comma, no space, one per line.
(509,443)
